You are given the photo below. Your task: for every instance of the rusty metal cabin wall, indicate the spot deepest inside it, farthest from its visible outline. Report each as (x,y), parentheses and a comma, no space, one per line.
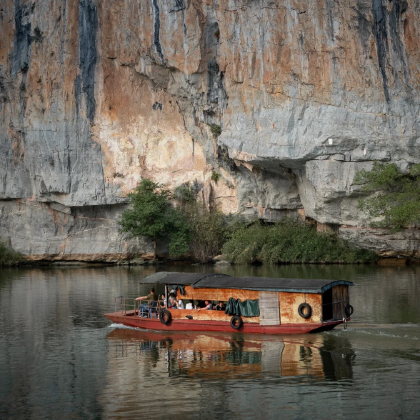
(218,294)
(204,315)
(214,295)
(289,304)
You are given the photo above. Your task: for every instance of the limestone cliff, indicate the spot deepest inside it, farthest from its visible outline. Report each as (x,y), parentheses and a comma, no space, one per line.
(95,95)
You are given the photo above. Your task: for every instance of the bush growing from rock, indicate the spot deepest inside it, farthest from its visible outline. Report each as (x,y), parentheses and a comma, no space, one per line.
(209,227)
(8,256)
(394,196)
(216,130)
(289,242)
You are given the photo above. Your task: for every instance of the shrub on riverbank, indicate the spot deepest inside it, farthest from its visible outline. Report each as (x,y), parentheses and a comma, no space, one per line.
(9,257)
(208,227)
(290,242)
(151,215)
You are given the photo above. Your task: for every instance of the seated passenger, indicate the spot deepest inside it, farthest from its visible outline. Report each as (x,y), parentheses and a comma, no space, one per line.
(221,306)
(151,296)
(180,304)
(189,305)
(172,302)
(144,307)
(208,306)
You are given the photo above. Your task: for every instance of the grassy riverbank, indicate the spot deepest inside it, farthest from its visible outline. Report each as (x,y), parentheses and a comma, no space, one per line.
(9,257)
(290,242)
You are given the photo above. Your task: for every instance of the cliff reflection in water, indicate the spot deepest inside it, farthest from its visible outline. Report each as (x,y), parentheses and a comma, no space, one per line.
(227,356)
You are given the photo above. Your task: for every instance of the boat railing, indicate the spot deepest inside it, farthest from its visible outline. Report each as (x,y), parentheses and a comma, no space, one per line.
(124,305)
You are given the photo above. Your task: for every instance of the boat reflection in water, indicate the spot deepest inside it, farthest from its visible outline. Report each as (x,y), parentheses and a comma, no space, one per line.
(215,356)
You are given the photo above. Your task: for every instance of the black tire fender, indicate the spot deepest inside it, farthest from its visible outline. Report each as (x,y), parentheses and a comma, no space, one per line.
(305,310)
(236,322)
(165,317)
(349,310)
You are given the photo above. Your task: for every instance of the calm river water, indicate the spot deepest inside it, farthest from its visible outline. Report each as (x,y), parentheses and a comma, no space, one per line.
(60,358)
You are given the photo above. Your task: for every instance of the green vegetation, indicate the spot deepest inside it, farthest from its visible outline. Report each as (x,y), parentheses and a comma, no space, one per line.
(395,198)
(205,233)
(215,129)
(209,228)
(9,257)
(152,215)
(215,176)
(289,242)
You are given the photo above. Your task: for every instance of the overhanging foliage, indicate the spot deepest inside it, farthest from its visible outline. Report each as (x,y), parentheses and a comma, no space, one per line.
(395,196)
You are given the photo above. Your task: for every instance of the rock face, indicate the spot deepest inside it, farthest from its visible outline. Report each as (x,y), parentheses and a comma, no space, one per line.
(95,95)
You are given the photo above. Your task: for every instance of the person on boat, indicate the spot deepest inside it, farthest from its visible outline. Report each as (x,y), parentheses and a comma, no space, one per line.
(162,302)
(221,306)
(208,306)
(151,297)
(172,302)
(180,304)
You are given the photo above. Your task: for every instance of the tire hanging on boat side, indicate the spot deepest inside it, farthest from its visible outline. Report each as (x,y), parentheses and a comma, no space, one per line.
(236,322)
(165,317)
(307,314)
(349,310)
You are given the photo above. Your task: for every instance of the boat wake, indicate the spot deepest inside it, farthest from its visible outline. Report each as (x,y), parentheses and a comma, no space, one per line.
(117,326)
(399,331)
(122,326)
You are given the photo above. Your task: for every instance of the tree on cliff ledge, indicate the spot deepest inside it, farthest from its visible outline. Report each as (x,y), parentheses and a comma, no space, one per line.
(152,215)
(394,201)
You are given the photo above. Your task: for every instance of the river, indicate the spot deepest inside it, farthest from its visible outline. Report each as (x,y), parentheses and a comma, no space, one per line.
(60,358)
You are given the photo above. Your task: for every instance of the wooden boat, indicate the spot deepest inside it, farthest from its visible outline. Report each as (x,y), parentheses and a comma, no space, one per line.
(255,304)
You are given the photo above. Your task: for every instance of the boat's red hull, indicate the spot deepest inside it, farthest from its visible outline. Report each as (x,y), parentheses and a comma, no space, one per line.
(222,326)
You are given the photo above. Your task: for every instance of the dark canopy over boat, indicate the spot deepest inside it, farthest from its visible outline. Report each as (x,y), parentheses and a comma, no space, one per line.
(223,281)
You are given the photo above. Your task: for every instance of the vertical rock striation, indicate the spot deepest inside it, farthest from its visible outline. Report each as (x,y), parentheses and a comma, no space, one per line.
(96,95)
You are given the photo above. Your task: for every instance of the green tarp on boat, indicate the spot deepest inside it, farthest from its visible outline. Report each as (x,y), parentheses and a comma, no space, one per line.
(246,308)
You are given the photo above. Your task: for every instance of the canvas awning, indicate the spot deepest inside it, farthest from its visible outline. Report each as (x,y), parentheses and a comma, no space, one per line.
(223,281)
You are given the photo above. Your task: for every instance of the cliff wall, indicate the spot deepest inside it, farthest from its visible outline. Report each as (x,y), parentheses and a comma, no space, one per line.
(95,95)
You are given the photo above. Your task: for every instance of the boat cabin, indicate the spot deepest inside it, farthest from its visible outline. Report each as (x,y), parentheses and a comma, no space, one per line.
(251,304)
